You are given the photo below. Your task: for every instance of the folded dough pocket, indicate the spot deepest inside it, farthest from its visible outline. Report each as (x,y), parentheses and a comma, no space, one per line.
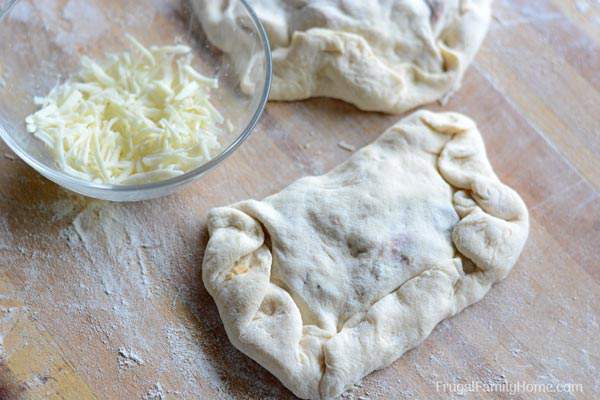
(387,56)
(339,275)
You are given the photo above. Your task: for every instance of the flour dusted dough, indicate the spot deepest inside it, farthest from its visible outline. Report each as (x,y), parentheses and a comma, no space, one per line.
(387,56)
(339,275)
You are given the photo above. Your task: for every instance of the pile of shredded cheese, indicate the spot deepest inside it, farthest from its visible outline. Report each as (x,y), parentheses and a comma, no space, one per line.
(138,117)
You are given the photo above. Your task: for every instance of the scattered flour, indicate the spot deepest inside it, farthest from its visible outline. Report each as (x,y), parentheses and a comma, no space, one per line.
(8,318)
(80,22)
(582,6)
(2,82)
(346,146)
(6,237)
(70,235)
(118,259)
(128,358)
(22,12)
(155,393)
(185,350)
(516,352)
(86,23)
(62,208)
(144,272)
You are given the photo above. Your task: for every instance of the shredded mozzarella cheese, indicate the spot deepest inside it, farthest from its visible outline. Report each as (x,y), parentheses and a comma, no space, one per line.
(135,118)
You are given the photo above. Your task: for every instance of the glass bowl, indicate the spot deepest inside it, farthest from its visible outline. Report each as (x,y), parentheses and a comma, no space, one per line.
(42,41)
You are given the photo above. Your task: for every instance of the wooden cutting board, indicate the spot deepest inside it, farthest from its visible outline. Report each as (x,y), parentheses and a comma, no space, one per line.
(105,301)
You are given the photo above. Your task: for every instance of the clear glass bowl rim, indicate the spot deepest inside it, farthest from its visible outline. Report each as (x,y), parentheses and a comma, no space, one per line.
(58,176)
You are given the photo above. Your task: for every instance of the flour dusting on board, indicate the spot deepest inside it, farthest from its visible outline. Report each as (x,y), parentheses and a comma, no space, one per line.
(6,242)
(155,393)
(128,358)
(8,317)
(582,6)
(23,12)
(81,21)
(136,297)
(183,345)
(85,18)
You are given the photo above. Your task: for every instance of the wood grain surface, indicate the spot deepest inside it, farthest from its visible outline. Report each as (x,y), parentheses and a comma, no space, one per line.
(104,301)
